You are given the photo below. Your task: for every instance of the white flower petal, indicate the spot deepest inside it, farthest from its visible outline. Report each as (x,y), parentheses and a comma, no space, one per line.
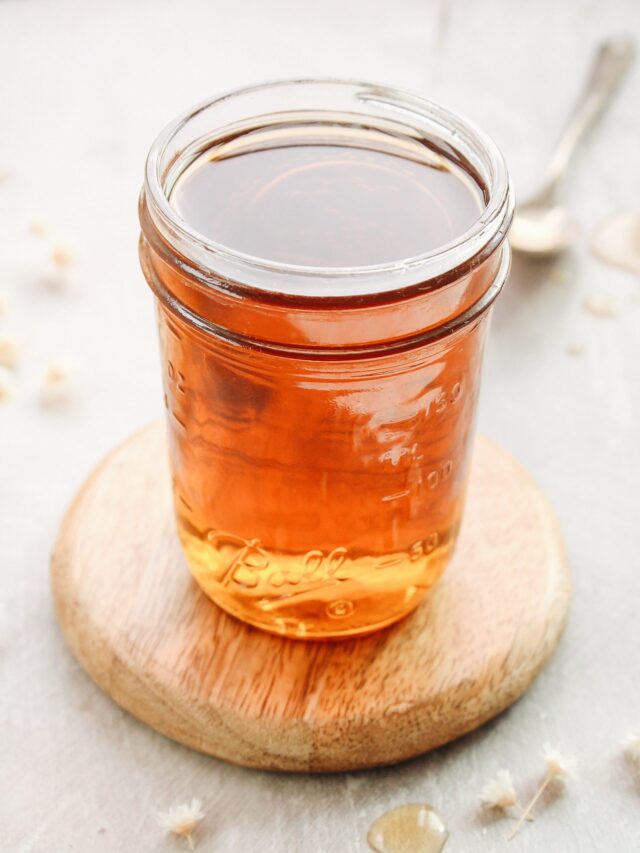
(57,381)
(559,766)
(182,819)
(499,793)
(62,257)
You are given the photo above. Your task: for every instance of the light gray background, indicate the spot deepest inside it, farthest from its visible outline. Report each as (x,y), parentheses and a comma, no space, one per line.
(84,87)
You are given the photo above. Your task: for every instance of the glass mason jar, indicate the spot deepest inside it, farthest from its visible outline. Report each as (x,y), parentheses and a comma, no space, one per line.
(320,418)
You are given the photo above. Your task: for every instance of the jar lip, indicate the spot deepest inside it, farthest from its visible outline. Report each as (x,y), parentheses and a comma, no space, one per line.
(235,268)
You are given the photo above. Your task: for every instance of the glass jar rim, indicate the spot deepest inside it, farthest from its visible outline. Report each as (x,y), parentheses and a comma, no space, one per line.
(217,264)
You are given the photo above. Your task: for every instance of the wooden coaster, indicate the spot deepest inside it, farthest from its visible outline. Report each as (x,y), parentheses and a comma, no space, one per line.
(145,633)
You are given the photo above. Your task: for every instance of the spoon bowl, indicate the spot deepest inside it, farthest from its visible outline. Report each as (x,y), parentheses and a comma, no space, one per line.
(542,230)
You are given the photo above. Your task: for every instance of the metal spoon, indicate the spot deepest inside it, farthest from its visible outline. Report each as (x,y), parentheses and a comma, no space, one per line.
(541,225)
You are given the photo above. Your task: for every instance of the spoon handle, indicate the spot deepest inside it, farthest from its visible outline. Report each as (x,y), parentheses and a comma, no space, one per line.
(609,67)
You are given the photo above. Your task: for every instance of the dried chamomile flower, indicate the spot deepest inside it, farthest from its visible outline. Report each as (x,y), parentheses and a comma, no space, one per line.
(183,819)
(499,793)
(9,351)
(62,257)
(600,306)
(57,277)
(575,348)
(559,768)
(633,746)
(7,384)
(57,382)
(39,228)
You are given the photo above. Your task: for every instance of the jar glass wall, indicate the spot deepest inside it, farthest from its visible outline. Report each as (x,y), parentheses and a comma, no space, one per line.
(320,417)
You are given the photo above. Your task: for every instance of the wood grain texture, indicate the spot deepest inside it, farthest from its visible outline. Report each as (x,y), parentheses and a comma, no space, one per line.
(146,634)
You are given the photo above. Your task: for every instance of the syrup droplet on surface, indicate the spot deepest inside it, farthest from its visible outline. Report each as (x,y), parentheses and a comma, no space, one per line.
(415,828)
(617,241)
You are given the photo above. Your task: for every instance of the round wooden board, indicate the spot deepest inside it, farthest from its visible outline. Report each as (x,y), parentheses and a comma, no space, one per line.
(145,633)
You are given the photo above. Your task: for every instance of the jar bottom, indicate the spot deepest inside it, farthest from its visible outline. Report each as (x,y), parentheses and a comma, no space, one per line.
(313,595)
